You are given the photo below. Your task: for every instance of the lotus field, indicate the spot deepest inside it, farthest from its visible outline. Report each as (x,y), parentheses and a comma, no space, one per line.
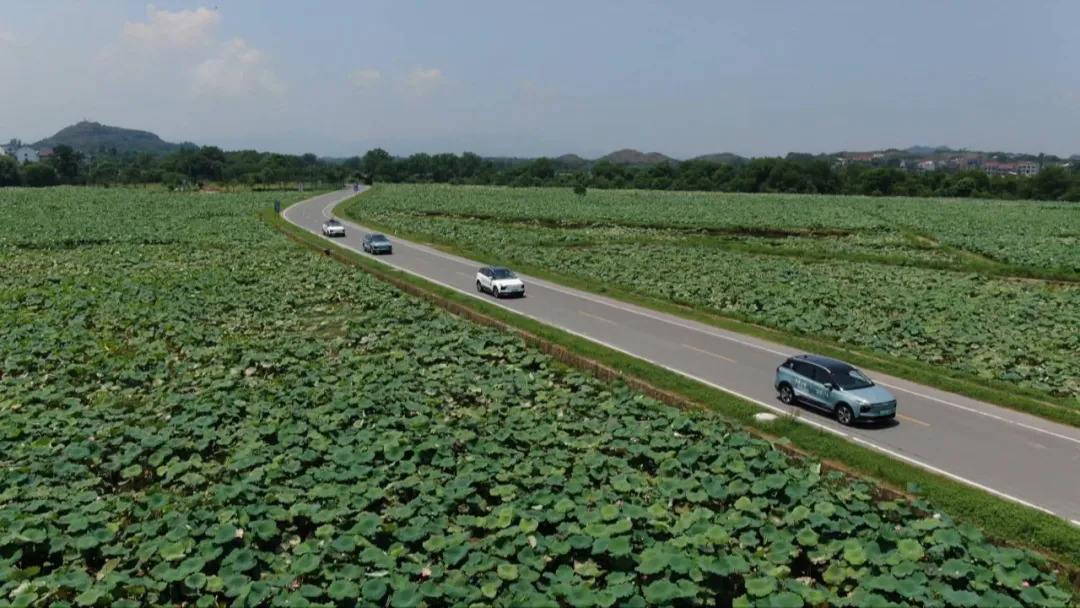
(198,412)
(985,288)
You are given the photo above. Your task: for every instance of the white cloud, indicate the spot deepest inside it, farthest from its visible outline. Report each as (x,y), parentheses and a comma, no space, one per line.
(237,71)
(423,81)
(163,29)
(366,78)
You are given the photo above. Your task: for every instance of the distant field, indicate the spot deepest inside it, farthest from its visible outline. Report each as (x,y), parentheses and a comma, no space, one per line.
(198,413)
(945,282)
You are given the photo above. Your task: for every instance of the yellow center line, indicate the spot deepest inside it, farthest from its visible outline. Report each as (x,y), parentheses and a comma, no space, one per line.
(728,359)
(597,317)
(910,419)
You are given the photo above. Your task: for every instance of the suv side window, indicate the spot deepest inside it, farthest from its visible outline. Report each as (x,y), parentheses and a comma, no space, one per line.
(803,369)
(822,375)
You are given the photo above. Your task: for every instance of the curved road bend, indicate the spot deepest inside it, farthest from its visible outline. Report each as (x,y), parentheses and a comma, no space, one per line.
(1013,455)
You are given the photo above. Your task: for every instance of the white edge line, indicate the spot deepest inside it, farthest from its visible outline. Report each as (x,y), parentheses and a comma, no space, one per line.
(954,477)
(1075,522)
(770,406)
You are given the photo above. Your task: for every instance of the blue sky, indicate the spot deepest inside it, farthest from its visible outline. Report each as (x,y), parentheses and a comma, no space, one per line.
(529,78)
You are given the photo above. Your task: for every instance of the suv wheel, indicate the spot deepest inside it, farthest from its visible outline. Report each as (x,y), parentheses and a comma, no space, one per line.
(787,395)
(844,415)
(495,292)
(479,287)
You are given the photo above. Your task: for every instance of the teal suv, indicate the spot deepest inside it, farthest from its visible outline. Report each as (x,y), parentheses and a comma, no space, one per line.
(833,386)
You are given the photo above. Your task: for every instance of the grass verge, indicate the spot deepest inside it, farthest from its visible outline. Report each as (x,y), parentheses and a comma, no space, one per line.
(1000,519)
(1017,398)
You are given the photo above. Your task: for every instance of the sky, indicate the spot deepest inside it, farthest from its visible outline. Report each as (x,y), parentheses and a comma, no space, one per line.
(517,78)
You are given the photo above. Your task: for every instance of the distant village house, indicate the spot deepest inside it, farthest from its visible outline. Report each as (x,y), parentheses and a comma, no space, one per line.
(1027,168)
(26,154)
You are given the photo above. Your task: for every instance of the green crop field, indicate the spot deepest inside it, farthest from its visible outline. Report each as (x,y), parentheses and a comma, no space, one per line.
(199,413)
(988,289)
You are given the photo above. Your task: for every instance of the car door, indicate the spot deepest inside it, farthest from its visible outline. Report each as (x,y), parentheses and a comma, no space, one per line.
(821,387)
(802,379)
(485,278)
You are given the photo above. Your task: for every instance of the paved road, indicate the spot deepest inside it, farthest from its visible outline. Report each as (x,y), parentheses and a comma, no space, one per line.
(1013,455)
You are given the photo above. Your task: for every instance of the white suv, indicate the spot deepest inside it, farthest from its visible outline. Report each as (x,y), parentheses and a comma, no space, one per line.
(499,282)
(333,228)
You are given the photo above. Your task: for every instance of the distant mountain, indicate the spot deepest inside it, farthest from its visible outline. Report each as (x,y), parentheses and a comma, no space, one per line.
(726,158)
(628,156)
(571,161)
(94,138)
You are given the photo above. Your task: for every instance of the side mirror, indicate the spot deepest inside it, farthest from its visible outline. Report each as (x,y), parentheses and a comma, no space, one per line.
(831,386)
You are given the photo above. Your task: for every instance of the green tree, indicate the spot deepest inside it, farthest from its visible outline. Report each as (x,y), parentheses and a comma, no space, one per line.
(470,165)
(9,171)
(376,163)
(67,163)
(963,187)
(542,168)
(40,175)
(1051,183)
(207,164)
(105,171)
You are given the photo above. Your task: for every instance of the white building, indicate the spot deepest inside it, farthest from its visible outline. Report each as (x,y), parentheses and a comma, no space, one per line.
(26,154)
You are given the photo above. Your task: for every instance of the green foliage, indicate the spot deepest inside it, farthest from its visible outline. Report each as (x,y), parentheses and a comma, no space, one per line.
(198,413)
(188,164)
(796,173)
(999,518)
(893,277)
(67,163)
(120,156)
(39,175)
(9,171)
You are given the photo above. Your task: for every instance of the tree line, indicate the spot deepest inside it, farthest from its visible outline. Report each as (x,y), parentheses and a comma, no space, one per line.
(186,168)
(195,166)
(793,174)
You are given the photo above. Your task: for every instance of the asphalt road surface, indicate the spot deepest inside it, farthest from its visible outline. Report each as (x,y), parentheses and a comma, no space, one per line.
(1016,456)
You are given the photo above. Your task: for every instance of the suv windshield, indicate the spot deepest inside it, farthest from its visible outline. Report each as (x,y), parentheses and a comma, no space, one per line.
(502,273)
(378,237)
(332,223)
(851,379)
